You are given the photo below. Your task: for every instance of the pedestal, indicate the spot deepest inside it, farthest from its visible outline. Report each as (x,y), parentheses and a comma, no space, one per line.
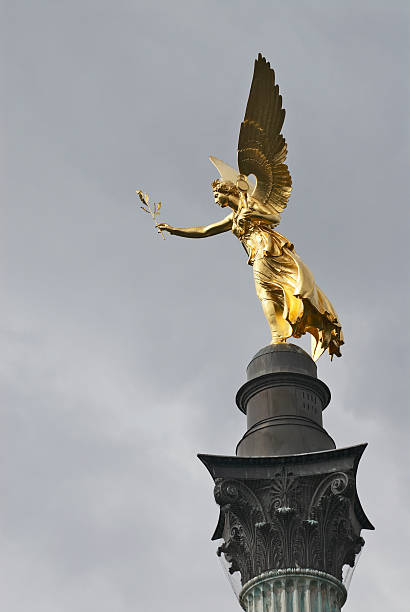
(283,400)
(290,517)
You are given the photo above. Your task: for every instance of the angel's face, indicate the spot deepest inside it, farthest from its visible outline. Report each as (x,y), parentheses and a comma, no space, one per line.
(221,199)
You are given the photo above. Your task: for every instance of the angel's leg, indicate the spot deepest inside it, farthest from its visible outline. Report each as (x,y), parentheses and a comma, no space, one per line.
(271,296)
(279,327)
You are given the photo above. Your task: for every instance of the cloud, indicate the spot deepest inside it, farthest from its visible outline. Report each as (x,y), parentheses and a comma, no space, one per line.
(122,352)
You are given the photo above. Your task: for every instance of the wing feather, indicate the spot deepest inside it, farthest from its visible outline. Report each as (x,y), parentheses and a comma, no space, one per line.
(261,148)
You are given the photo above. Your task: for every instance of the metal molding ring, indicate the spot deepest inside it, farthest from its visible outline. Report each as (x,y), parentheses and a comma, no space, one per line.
(282,379)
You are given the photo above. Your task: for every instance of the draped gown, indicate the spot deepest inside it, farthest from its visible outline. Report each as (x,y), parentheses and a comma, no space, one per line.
(281,277)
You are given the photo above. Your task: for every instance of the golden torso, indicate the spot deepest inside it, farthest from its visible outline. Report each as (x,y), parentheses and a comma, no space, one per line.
(258,238)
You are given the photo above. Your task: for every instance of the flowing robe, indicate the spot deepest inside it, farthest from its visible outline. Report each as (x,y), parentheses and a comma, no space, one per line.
(281,276)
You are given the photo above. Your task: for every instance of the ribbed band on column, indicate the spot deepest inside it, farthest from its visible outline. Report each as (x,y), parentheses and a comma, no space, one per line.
(293,589)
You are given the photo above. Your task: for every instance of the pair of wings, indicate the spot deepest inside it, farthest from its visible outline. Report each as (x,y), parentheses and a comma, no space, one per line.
(261,147)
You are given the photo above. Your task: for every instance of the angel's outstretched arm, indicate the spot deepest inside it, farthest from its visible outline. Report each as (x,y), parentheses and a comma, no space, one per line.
(202,231)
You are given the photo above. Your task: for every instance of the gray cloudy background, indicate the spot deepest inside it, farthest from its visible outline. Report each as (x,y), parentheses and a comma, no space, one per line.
(122,353)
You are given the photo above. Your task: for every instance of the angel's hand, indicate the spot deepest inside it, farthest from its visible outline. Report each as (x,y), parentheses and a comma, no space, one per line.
(165,227)
(248,213)
(245,214)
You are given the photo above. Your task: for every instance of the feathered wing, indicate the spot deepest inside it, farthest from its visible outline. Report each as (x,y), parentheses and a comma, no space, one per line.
(261,147)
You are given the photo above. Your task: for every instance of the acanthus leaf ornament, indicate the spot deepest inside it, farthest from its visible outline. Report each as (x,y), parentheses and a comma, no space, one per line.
(289,521)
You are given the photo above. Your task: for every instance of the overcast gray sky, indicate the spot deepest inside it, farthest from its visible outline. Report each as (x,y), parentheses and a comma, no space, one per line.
(122,353)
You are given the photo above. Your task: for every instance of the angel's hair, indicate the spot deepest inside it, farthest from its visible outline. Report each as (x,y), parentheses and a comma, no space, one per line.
(226,187)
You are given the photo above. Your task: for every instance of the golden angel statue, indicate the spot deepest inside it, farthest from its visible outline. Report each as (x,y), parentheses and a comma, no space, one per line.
(292,302)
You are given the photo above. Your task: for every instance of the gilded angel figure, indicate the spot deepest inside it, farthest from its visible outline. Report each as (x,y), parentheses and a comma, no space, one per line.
(292,302)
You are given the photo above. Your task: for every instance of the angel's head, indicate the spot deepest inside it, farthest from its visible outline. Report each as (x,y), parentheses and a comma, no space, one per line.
(226,193)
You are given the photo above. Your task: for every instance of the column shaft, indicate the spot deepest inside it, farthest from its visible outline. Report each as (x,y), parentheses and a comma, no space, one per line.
(293,591)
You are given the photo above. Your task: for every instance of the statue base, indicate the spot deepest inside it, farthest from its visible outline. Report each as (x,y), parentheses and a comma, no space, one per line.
(283,400)
(288,498)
